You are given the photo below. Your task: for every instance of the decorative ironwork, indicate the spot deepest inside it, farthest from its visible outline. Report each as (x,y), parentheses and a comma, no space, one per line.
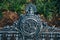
(29,27)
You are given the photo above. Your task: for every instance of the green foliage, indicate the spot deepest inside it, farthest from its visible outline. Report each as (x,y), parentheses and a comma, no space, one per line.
(46,7)
(12,5)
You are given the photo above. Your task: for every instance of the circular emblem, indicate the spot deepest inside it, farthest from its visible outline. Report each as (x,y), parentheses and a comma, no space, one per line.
(29,26)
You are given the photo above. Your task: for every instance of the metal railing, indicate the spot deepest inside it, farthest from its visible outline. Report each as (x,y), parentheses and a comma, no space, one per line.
(19,36)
